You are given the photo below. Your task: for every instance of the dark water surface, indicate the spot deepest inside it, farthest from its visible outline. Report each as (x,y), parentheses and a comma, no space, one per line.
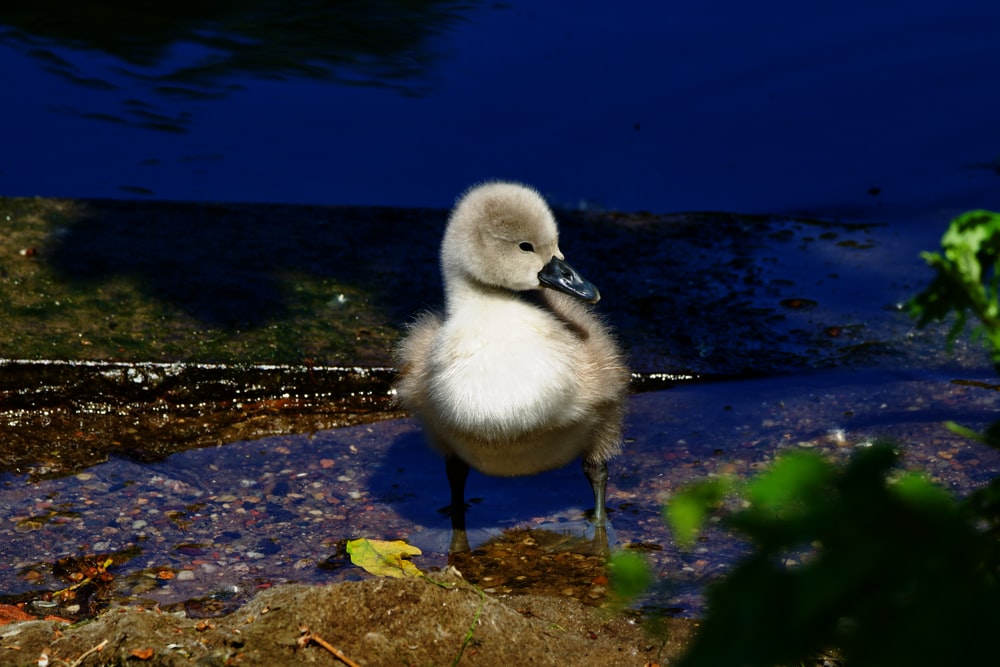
(865,109)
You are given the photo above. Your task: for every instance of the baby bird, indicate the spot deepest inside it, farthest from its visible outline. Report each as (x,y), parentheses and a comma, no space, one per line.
(518,375)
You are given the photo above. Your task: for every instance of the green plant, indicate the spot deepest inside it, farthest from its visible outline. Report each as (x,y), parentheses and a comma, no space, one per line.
(882,565)
(889,568)
(967,283)
(967,279)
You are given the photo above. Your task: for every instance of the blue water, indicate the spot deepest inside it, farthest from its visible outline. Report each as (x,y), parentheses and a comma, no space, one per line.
(862,109)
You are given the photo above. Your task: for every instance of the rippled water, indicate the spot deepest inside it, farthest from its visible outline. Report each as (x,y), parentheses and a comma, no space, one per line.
(222,522)
(858,108)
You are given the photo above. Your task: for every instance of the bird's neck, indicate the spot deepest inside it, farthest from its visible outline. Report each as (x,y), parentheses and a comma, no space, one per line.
(463,290)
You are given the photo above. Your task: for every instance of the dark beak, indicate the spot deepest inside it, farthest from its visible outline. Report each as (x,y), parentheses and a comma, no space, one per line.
(562,277)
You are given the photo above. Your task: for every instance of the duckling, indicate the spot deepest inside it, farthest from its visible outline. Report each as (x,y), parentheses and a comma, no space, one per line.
(518,376)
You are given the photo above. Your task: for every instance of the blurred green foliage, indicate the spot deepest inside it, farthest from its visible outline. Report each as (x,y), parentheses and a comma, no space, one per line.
(631,574)
(881,565)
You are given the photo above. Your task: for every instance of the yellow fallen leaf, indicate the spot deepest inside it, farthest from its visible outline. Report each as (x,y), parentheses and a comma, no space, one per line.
(382,558)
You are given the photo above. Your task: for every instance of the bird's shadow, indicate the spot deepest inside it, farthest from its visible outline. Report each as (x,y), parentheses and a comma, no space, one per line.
(411,479)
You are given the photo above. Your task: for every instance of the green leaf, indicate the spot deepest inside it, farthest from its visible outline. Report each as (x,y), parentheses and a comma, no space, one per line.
(967,279)
(384,559)
(918,491)
(792,480)
(630,574)
(687,509)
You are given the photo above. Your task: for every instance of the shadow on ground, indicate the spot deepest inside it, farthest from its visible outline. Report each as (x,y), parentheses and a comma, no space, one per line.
(708,294)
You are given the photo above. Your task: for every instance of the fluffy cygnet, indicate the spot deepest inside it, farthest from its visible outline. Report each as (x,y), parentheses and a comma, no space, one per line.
(518,375)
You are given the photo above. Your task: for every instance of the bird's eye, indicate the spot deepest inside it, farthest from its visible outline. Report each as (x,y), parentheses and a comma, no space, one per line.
(526,247)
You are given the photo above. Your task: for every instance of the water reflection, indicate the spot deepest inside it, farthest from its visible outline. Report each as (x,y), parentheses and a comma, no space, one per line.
(190,51)
(847,109)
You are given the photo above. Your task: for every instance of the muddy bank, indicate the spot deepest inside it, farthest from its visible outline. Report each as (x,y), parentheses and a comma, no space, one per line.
(414,621)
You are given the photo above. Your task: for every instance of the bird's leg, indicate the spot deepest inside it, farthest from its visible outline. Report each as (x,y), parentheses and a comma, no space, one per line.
(597,475)
(458,472)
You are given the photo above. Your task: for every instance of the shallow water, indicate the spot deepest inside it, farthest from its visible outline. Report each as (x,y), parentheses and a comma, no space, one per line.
(222,522)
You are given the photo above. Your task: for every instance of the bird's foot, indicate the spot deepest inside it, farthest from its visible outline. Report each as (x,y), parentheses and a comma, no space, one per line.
(459,541)
(582,536)
(446,540)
